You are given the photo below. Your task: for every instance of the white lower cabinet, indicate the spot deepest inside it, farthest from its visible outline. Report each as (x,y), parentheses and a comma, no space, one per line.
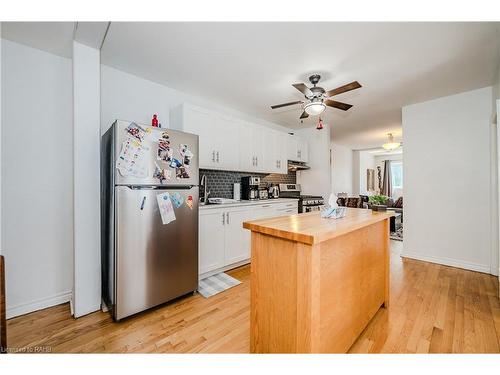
(237,239)
(223,242)
(211,241)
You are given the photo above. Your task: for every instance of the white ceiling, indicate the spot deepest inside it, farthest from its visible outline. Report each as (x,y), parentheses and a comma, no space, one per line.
(53,37)
(250,66)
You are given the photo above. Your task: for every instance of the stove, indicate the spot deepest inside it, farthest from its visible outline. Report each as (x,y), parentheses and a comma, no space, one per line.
(307,203)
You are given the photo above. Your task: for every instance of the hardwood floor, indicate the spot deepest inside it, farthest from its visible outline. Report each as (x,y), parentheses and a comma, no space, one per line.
(434,309)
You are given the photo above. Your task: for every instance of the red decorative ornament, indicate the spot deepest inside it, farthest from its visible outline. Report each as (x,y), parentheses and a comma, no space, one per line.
(154,121)
(320,124)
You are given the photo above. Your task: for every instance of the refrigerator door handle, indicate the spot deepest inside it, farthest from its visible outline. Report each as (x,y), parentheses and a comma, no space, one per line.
(223,222)
(227,218)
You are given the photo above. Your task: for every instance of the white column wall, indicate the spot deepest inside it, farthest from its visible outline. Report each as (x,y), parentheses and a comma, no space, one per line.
(447,168)
(86,123)
(37,183)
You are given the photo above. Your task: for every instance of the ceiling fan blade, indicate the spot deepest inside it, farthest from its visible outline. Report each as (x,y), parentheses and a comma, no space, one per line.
(303,89)
(339,105)
(339,90)
(304,115)
(286,104)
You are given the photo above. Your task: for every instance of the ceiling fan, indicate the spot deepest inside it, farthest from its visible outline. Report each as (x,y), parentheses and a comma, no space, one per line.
(317,99)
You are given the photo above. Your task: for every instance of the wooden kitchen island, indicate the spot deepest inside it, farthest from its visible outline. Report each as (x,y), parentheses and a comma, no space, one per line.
(316,283)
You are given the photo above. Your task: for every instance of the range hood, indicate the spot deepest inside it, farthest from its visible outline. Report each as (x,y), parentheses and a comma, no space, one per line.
(297,165)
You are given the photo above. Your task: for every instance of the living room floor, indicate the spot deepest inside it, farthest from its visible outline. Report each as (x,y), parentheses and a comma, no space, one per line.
(434,309)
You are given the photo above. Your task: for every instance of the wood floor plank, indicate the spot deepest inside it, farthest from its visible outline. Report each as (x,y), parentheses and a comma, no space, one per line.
(434,309)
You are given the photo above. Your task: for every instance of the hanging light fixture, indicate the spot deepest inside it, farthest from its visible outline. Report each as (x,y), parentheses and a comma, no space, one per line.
(391,145)
(320,124)
(315,107)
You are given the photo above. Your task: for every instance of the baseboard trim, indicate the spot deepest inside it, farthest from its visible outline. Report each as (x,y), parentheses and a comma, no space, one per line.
(448,262)
(223,269)
(43,303)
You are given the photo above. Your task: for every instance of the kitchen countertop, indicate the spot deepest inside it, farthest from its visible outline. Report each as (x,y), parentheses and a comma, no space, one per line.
(310,228)
(248,203)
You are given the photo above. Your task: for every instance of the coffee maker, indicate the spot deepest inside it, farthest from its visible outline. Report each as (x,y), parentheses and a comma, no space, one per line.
(250,188)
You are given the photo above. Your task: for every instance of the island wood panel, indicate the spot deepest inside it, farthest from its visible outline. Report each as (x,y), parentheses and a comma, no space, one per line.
(317,298)
(354,284)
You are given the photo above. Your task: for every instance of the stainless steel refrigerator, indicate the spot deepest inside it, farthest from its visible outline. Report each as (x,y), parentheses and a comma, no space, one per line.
(149,245)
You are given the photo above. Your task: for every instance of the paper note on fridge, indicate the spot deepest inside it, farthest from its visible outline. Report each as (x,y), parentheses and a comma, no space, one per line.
(133,159)
(166,208)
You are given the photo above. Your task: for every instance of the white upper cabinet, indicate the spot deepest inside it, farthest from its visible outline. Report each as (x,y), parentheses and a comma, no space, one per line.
(275,151)
(297,149)
(198,121)
(302,149)
(227,143)
(251,148)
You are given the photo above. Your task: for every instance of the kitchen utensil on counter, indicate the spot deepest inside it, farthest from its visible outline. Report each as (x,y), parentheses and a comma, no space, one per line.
(250,187)
(237,191)
(274,192)
(263,194)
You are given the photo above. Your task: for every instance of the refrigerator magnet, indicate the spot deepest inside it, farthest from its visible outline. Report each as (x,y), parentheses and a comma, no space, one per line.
(189,201)
(159,174)
(166,208)
(182,172)
(177,199)
(135,131)
(174,163)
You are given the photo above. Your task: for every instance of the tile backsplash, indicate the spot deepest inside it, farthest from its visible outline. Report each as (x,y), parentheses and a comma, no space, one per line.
(220,183)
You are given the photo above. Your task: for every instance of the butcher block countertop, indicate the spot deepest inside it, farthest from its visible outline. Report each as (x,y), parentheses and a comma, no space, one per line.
(311,228)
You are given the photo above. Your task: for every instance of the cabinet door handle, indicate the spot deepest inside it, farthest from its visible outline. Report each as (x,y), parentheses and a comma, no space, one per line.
(227,217)
(213,156)
(266,205)
(223,223)
(256,161)
(289,205)
(217,156)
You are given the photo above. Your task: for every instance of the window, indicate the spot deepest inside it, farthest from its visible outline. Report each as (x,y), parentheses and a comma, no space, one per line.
(397,174)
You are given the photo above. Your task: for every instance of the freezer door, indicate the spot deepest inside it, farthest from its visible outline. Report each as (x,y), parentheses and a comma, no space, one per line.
(176,138)
(154,262)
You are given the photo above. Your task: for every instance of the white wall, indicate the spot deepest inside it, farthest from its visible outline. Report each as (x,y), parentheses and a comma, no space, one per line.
(86,174)
(447,180)
(317,180)
(128,97)
(37,178)
(362,160)
(342,169)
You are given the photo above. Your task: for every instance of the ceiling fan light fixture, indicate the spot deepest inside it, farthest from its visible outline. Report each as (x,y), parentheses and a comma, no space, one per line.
(314,108)
(391,145)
